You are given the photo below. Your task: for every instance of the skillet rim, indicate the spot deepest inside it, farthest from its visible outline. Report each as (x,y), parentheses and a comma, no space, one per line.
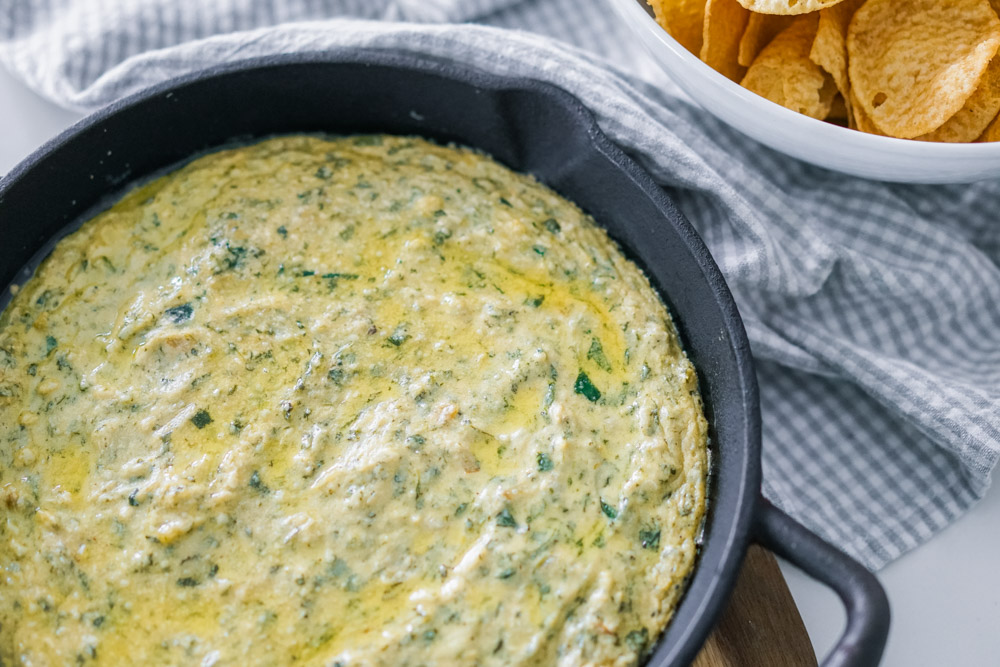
(727,536)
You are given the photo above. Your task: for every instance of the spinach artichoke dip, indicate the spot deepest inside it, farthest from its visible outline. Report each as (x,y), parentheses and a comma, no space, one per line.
(343,402)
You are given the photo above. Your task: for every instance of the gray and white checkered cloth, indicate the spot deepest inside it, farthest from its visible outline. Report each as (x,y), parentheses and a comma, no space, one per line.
(873,309)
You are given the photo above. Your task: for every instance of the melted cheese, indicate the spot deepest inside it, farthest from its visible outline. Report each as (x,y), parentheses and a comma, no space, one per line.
(361,401)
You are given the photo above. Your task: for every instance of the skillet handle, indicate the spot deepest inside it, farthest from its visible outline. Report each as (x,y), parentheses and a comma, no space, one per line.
(867,607)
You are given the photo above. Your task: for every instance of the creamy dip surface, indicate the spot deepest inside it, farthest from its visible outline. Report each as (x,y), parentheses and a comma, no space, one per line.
(352,401)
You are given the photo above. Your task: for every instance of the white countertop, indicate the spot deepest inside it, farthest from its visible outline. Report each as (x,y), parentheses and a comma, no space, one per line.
(945,596)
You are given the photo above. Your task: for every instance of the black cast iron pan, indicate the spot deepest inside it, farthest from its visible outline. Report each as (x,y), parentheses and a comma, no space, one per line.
(531,127)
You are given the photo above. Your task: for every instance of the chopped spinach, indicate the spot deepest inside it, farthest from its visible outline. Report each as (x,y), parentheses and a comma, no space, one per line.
(201,419)
(257,484)
(650,538)
(506,519)
(608,510)
(586,388)
(596,354)
(550,394)
(534,301)
(399,335)
(43,299)
(178,314)
(333,279)
(637,640)
(234,258)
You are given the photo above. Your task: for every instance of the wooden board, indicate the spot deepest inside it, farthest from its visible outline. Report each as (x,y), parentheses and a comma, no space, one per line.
(761,627)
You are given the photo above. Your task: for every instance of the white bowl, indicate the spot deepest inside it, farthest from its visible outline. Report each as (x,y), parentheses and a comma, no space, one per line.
(823,144)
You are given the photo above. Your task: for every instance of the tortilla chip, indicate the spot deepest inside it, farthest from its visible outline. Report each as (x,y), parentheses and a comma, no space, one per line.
(913,64)
(761,29)
(838,113)
(992,132)
(972,119)
(786,7)
(784,74)
(682,19)
(829,50)
(859,120)
(725,22)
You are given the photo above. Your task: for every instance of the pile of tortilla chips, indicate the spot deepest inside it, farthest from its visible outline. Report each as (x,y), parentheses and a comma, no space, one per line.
(914,69)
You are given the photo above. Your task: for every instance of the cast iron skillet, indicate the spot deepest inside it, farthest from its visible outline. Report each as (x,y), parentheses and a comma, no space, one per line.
(531,127)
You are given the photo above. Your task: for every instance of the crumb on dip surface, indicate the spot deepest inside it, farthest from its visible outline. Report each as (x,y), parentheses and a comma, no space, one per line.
(352,401)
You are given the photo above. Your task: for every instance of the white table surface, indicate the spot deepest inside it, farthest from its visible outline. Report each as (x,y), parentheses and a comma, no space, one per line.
(945,596)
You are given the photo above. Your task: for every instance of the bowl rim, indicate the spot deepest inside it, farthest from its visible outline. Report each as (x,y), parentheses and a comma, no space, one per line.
(818,131)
